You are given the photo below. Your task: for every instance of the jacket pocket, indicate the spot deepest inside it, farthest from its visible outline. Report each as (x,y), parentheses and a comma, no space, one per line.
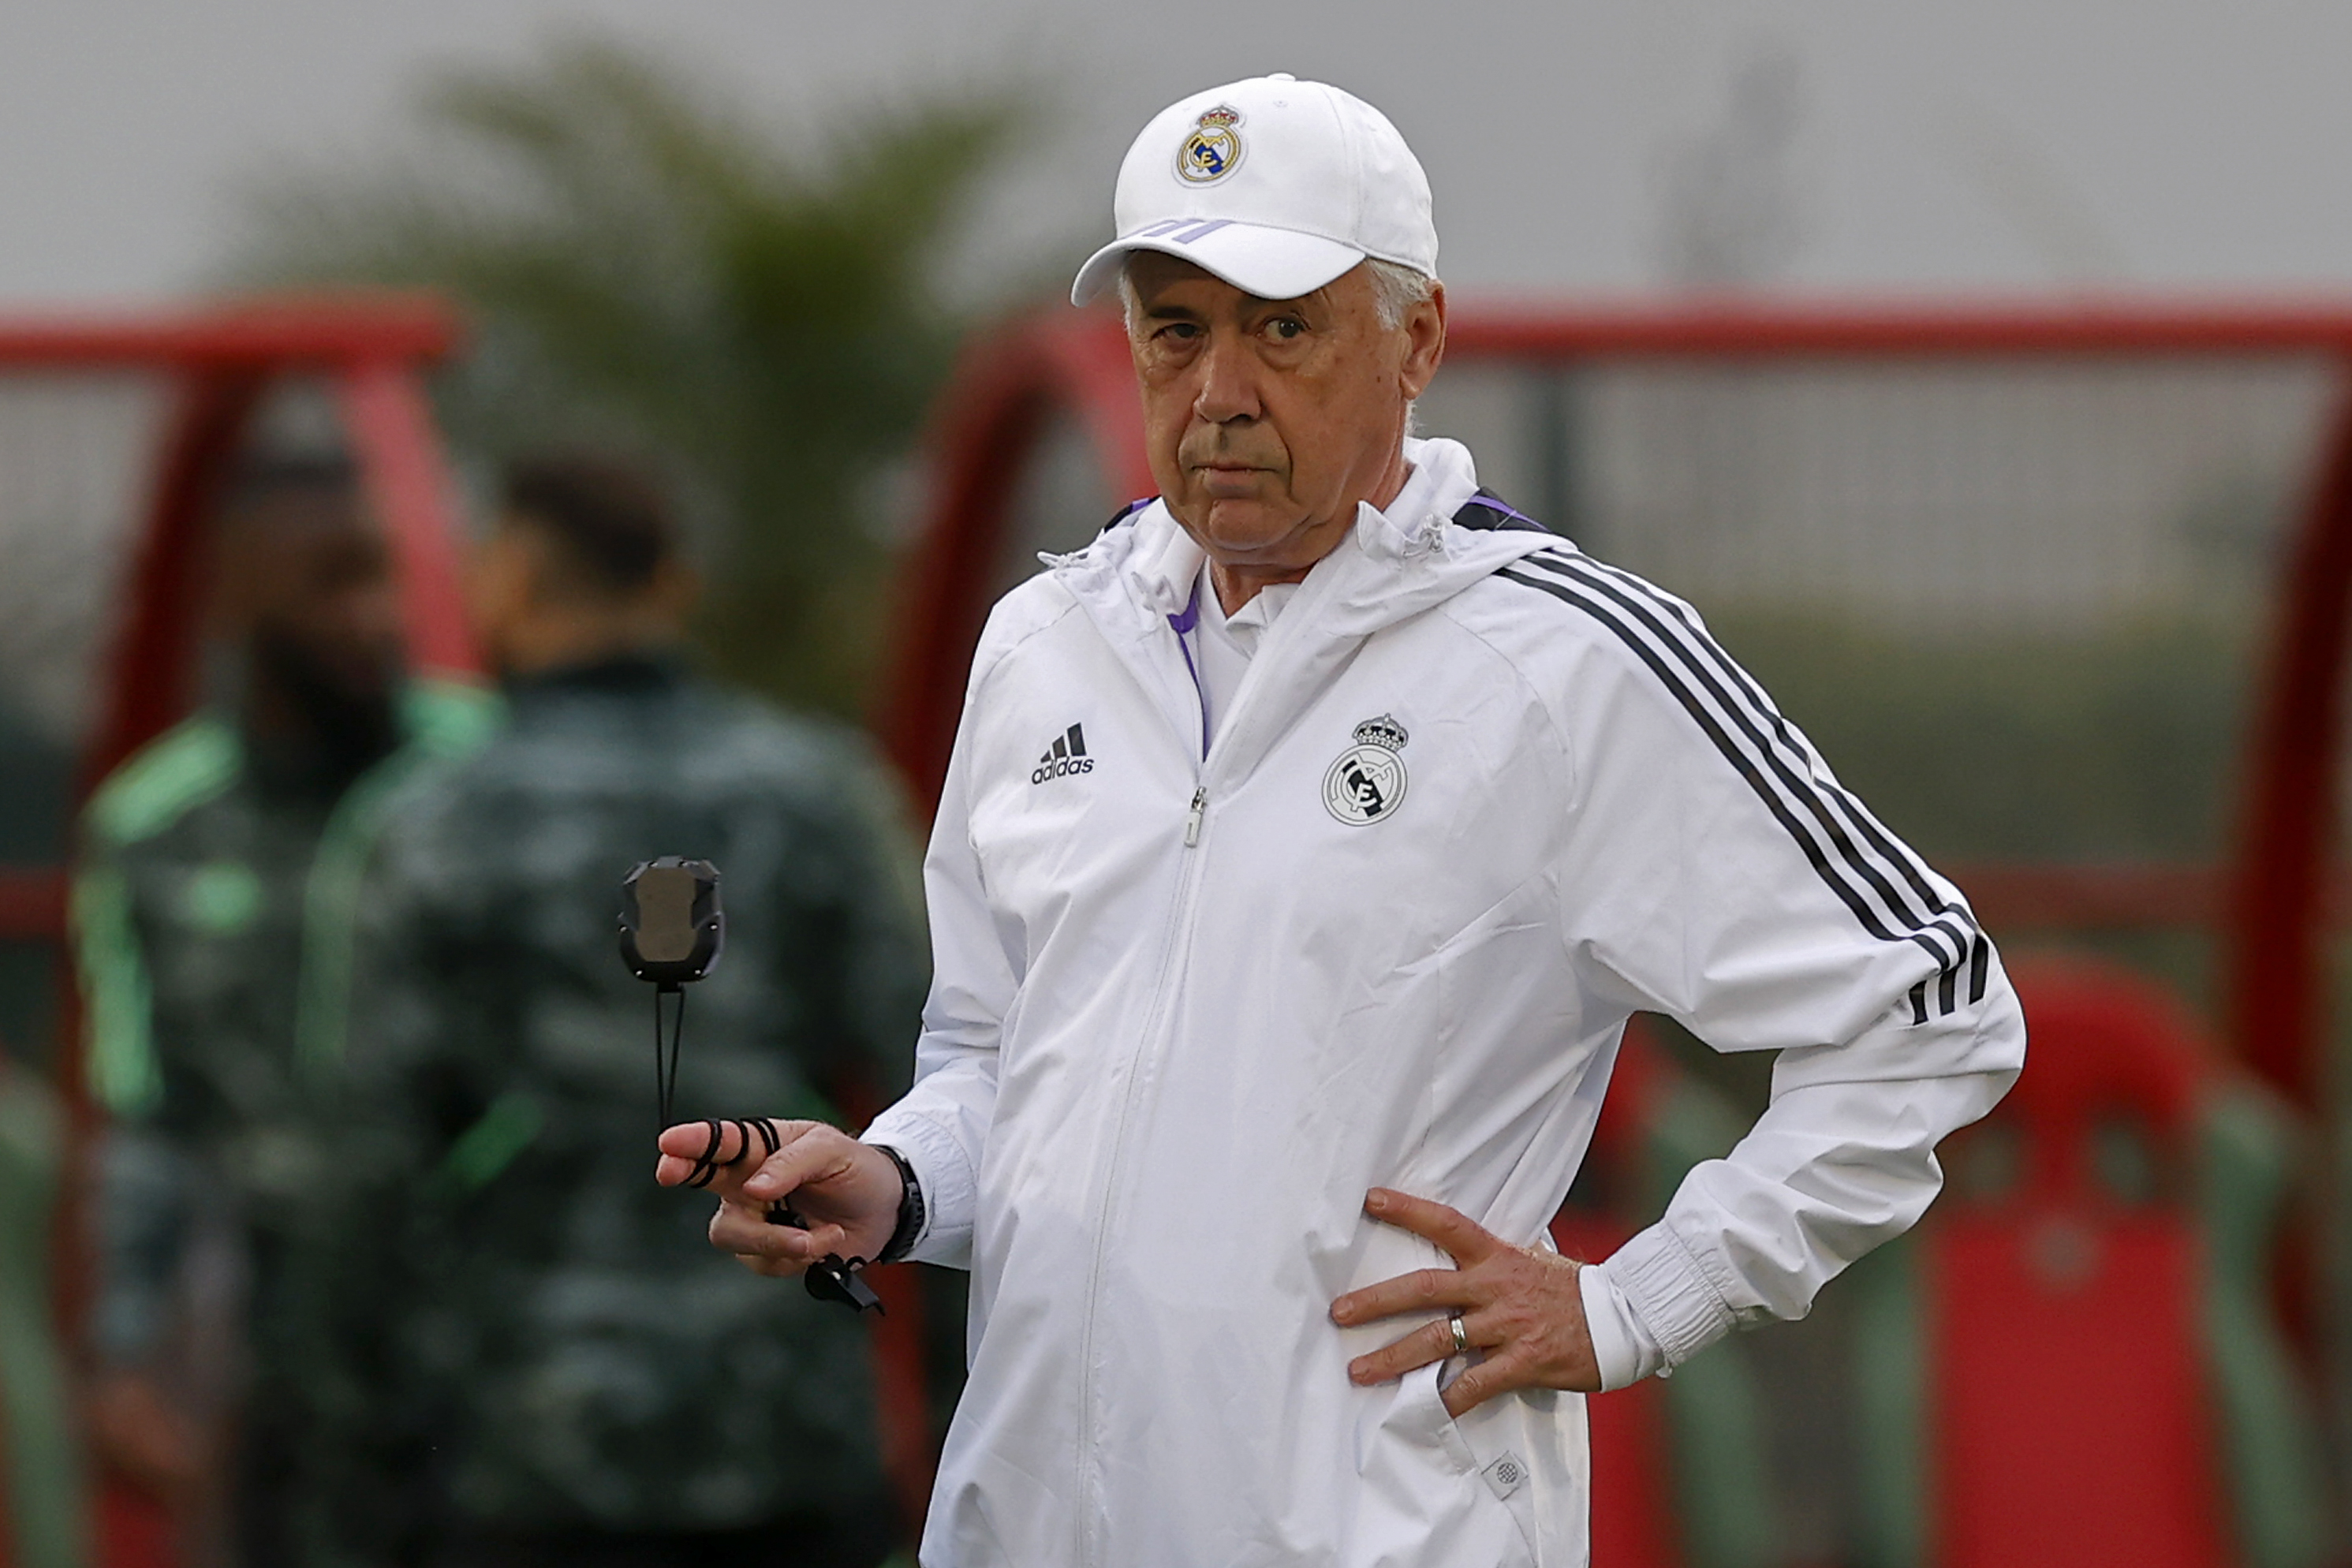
(1475,1458)
(1419,1418)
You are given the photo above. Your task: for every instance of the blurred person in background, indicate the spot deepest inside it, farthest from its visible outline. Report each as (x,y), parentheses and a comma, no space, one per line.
(213,912)
(583,1381)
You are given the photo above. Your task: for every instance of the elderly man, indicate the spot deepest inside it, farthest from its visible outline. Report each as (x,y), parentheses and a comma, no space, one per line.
(1260,1051)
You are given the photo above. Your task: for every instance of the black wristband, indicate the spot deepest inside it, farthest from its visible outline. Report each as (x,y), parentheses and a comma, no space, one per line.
(910,1211)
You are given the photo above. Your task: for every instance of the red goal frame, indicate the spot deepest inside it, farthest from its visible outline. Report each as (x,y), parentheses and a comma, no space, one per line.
(373,352)
(220,364)
(2270,902)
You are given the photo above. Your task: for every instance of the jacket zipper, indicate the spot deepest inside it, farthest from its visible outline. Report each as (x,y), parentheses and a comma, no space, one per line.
(1172,965)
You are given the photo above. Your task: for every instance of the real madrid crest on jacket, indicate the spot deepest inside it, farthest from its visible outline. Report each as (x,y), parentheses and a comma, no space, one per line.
(1367,783)
(1489,796)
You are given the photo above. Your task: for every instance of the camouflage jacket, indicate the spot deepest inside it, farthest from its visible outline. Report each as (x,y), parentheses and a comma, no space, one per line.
(556,1331)
(213,917)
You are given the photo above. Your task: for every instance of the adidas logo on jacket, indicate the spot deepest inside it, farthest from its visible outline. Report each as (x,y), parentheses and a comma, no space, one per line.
(1065,756)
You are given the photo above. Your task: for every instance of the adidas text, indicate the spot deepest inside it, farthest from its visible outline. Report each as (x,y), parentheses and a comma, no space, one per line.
(1065,756)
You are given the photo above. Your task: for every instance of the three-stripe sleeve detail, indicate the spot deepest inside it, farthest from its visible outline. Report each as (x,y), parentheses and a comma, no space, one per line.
(1890,894)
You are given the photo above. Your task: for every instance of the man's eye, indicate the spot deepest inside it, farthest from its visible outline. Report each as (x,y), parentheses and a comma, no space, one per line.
(1286,327)
(1180,331)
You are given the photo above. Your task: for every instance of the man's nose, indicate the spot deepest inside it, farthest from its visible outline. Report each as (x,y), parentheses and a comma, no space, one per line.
(1228,383)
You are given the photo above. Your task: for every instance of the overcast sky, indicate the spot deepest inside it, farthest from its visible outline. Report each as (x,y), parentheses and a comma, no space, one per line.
(1936,143)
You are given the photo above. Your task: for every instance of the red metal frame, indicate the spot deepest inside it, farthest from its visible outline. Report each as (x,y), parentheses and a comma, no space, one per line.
(2288,840)
(400,453)
(374,350)
(270,332)
(2272,903)
(152,669)
(1003,396)
(1897,329)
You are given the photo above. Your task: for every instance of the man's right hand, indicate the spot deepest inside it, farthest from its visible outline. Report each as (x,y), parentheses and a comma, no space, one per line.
(849,1192)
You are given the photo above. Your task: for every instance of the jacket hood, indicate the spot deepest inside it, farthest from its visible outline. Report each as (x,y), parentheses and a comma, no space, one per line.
(1393,564)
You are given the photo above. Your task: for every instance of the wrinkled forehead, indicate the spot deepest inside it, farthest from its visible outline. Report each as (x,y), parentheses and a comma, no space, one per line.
(1156,277)
(1149,272)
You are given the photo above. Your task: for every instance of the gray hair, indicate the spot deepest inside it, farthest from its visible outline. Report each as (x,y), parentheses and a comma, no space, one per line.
(1396,289)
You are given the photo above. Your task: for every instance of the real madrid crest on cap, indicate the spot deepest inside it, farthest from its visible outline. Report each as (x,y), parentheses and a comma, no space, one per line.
(1214,148)
(1367,783)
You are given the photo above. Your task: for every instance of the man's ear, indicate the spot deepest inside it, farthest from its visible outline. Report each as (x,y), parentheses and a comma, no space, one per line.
(1424,331)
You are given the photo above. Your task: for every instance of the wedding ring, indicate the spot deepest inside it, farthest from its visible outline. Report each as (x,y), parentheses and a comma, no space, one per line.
(1461,1335)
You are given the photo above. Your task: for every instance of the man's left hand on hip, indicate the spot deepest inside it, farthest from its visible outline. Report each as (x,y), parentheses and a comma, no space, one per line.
(1519,1306)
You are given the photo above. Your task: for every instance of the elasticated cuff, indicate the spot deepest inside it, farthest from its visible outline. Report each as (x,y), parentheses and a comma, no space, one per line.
(1622,1349)
(1670,1294)
(951,1193)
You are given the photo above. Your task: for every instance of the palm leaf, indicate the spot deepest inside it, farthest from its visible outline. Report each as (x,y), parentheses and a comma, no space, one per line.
(651,270)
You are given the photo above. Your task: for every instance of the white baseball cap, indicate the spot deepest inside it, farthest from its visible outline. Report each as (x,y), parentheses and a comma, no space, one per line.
(1275,184)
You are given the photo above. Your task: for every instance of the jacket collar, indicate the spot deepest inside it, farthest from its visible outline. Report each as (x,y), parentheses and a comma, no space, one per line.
(1393,564)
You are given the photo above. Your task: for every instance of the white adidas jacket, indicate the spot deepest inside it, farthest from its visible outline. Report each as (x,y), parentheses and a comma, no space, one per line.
(1477,798)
